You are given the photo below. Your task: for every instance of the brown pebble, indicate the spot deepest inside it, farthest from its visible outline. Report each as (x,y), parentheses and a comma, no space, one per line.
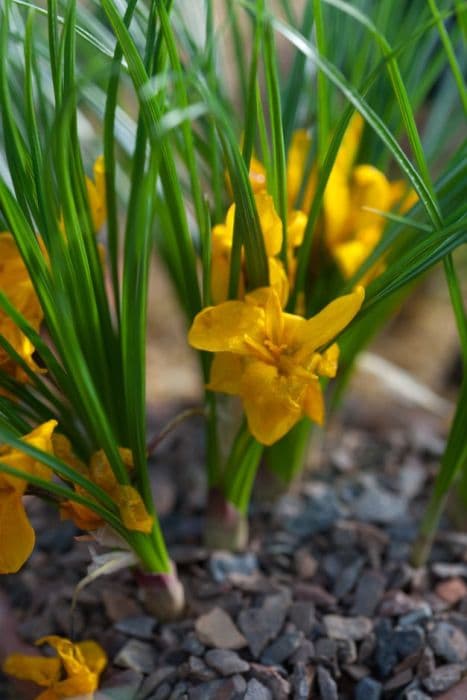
(452,590)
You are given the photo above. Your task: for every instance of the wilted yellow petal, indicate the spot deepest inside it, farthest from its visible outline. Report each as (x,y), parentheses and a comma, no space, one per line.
(132,509)
(223,328)
(38,669)
(94,655)
(83,517)
(16,534)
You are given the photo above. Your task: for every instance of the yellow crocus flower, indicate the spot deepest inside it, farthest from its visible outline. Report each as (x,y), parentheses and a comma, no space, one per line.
(272,359)
(16,534)
(16,284)
(73,673)
(222,239)
(350,232)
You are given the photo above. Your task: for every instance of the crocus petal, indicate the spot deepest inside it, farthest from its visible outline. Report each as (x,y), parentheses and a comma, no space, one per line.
(271,224)
(296,162)
(96,194)
(83,517)
(132,509)
(226,373)
(369,188)
(223,328)
(278,279)
(257,175)
(16,534)
(313,403)
(323,327)
(38,669)
(269,409)
(94,655)
(327,366)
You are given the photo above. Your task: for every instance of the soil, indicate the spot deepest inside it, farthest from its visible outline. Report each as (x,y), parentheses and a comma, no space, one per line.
(323,604)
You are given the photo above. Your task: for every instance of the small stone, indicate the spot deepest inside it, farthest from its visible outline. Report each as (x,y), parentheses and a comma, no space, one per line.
(119,606)
(415,617)
(318,515)
(302,681)
(314,594)
(327,685)
(326,649)
(197,670)
(141,627)
(128,682)
(161,676)
(304,653)
(137,656)
(445,570)
(452,590)
(368,595)
(302,615)
(448,642)
(397,603)
(281,649)
(179,692)
(378,505)
(456,692)
(356,671)
(162,692)
(257,691)
(192,645)
(368,689)
(216,629)
(225,689)
(386,651)
(226,662)
(305,564)
(443,678)
(416,694)
(347,578)
(426,666)
(279,687)
(261,625)
(398,681)
(367,647)
(347,627)
(409,640)
(222,564)
(346,651)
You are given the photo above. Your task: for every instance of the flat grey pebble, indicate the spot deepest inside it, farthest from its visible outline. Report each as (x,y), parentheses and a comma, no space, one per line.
(378,505)
(180,691)
(136,655)
(302,681)
(327,685)
(448,642)
(222,564)
(409,640)
(415,617)
(226,662)
(225,689)
(139,627)
(261,625)
(302,614)
(416,694)
(281,649)
(368,689)
(339,627)
(162,693)
(369,592)
(164,674)
(192,645)
(442,678)
(257,691)
(197,670)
